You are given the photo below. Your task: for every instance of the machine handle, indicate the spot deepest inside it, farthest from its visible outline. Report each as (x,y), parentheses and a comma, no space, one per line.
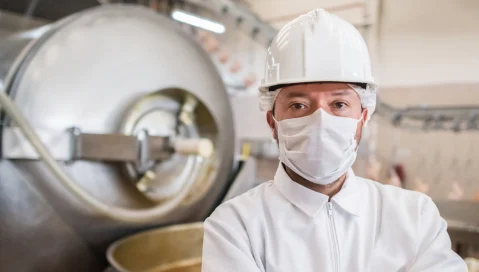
(187,146)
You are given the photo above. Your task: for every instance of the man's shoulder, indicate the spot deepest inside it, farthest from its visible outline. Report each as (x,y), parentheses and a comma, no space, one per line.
(242,206)
(393,197)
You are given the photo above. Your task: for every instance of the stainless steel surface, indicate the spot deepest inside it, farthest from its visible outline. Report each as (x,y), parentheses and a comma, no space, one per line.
(172,249)
(16,146)
(33,236)
(87,71)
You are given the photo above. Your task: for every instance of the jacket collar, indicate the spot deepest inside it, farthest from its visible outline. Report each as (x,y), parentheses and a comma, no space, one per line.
(311,202)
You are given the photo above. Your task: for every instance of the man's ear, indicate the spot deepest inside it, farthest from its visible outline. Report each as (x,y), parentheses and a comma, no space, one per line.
(364,116)
(272,124)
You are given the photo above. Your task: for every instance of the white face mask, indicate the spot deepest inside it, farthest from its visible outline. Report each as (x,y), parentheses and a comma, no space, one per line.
(319,147)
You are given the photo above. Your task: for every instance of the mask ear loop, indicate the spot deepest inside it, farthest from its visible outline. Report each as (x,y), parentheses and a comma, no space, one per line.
(359,90)
(274,118)
(273,100)
(362,116)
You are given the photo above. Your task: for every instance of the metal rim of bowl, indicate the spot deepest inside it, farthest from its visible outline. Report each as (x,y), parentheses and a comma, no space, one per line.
(111,249)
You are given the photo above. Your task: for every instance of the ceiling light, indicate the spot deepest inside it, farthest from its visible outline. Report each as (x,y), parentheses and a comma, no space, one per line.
(194,20)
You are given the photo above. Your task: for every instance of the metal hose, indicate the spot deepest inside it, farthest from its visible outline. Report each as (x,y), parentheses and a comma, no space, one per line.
(116,213)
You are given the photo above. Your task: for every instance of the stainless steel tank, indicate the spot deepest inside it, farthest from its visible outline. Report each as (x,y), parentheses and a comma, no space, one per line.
(112,73)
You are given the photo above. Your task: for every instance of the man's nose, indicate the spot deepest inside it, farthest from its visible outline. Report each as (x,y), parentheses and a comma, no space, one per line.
(321,103)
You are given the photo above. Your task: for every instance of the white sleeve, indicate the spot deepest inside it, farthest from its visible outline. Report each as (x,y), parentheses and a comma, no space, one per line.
(226,245)
(435,252)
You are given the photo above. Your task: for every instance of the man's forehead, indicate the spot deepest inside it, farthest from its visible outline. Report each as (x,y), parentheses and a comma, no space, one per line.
(307,89)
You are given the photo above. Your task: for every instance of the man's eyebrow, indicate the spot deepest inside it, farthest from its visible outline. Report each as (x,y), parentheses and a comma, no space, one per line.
(296,94)
(293,94)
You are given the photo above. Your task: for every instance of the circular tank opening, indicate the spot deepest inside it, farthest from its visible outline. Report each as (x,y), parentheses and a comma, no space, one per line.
(171,112)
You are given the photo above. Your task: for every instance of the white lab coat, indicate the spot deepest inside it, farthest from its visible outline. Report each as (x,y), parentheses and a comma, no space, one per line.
(281,226)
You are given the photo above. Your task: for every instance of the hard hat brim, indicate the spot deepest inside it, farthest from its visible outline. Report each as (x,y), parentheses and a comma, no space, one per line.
(274,86)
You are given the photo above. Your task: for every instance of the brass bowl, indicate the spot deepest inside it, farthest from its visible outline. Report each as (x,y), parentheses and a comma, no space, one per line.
(176,248)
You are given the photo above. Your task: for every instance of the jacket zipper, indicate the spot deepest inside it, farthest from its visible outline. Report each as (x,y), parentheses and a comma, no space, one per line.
(333,236)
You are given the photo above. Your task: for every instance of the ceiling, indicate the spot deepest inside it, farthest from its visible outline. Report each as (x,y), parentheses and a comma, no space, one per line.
(275,12)
(46,9)
(279,12)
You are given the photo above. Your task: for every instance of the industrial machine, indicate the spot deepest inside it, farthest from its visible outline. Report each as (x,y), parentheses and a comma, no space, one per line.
(113,121)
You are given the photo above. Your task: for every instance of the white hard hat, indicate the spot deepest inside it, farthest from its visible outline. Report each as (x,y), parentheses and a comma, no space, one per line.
(318,47)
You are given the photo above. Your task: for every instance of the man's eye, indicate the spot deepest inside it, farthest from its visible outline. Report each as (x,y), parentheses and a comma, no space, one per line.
(340,105)
(298,106)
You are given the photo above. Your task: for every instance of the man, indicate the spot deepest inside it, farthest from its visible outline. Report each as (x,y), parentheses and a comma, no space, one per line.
(316,215)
